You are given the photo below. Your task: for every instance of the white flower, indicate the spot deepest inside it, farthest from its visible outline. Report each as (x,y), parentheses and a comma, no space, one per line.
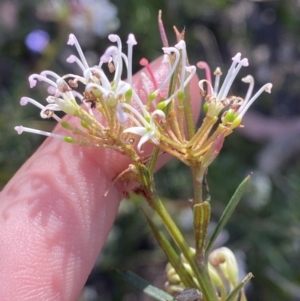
(183,80)
(226,261)
(218,98)
(237,64)
(144,125)
(63,99)
(235,116)
(46,112)
(113,54)
(248,101)
(20,129)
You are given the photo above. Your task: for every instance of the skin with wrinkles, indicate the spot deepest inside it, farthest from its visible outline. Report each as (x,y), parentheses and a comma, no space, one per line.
(54,218)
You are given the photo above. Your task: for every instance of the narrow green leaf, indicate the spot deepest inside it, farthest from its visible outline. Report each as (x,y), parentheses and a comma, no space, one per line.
(234,293)
(172,256)
(201,220)
(144,286)
(199,269)
(228,211)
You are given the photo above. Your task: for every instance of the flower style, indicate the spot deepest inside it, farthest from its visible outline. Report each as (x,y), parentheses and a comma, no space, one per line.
(184,81)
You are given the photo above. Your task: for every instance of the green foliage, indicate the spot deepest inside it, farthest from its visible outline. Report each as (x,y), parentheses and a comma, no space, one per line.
(144,286)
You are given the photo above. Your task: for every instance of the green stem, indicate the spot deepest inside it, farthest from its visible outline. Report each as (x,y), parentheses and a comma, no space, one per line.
(200,269)
(198,187)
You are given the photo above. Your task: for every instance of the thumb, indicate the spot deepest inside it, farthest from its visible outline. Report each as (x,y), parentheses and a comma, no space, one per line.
(54,218)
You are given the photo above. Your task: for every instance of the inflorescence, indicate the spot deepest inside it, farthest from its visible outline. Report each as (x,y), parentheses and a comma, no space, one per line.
(113,115)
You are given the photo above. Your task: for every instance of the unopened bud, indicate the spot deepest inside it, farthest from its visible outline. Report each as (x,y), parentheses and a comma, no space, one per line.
(226,261)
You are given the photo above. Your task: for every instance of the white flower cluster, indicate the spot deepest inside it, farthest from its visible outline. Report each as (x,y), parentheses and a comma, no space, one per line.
(125,120)
(218,98)
(116,99)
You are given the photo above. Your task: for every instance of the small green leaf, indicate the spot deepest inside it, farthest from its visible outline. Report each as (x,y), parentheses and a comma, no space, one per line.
(201,220)
(144,286)
(228,211)
(172,256)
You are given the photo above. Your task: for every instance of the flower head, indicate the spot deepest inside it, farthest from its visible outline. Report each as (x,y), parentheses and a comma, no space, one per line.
(125,120)
(218,99)
(123,112)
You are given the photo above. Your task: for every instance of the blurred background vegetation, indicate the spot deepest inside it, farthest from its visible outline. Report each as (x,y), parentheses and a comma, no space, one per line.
(264,233)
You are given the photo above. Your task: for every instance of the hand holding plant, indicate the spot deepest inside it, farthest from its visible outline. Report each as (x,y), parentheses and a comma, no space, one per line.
(119,134)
